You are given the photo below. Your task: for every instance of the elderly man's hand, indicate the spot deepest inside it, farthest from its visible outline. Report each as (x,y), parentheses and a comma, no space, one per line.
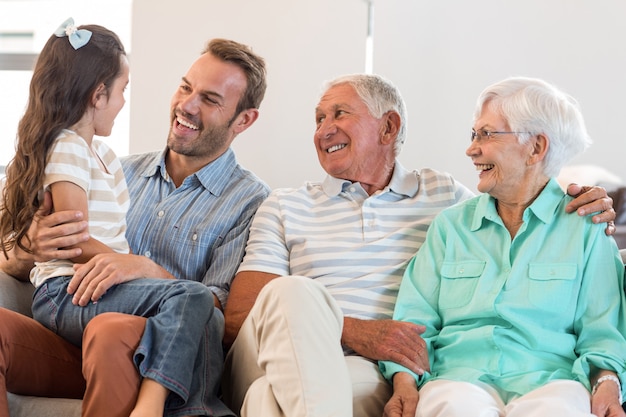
(590,200)
(390,340)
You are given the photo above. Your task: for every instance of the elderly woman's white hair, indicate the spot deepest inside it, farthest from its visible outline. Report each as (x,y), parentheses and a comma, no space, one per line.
(380,96)
(535,107)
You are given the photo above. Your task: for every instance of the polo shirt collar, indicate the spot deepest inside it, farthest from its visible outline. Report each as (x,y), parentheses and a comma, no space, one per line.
(402,182)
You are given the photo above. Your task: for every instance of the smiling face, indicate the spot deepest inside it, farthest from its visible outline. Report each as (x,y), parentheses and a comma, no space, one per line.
(203,108)
(507,169)
(351,144)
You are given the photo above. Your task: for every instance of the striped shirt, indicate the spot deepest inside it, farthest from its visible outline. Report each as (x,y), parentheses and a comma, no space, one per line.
(73,160)
(356,245)
(197,231)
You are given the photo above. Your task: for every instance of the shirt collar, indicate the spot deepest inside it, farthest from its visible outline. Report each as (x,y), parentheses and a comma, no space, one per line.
(402,182)
(543,208)
(157,164)
(214,176)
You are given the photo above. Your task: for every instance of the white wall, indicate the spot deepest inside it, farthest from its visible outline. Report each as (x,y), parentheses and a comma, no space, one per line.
(303,44)
(440,53)
(41,18)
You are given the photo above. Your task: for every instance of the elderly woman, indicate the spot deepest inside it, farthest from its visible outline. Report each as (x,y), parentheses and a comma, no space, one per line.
(523,304)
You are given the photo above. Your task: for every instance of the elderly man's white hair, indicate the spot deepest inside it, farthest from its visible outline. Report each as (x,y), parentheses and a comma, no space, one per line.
(380,96)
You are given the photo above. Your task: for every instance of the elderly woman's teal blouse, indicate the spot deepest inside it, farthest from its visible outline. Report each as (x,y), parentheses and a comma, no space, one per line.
(516,313)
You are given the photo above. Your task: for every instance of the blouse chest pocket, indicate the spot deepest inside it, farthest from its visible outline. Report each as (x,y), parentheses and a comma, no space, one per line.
(550,285)
(458,282)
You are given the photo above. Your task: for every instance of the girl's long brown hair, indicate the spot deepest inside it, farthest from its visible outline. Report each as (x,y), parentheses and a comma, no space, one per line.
(64,80)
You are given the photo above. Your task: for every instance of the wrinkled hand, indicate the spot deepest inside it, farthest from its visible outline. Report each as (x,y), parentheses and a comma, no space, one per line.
(52,234)
(403,402)
(92,279)
(604,403)
(592,200)
(390,340)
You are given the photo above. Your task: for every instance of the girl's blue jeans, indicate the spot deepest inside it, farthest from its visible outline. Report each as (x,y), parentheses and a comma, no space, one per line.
(181,347)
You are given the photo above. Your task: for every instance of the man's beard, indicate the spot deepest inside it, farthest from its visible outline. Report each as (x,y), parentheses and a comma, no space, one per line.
(210,142)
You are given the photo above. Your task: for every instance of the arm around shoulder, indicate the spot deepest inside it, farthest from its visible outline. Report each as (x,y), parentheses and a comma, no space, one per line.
(592,201)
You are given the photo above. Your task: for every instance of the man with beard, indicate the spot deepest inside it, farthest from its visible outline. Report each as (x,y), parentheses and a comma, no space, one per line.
(191,207)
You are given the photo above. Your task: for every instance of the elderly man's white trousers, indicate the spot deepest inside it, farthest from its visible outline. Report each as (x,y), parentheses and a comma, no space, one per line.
(287,359)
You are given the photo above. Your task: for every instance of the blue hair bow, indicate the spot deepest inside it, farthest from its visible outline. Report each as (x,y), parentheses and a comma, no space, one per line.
(78,37)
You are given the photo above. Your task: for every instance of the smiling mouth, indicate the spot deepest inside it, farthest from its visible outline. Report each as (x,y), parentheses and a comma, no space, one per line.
(336,148)
(186,124)
(484,167)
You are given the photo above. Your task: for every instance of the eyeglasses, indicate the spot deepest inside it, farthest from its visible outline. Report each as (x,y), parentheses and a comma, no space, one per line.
(489,134)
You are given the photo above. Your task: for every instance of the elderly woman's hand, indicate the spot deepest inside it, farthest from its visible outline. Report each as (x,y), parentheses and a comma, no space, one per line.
(403,402)
(590,200)
(605,403)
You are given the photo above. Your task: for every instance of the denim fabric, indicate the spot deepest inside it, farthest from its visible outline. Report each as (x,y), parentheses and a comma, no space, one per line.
(175,342)
(204,397)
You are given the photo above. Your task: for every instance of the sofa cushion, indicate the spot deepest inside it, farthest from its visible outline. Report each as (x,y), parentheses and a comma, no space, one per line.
(25,406)
(619,204)
(16,295)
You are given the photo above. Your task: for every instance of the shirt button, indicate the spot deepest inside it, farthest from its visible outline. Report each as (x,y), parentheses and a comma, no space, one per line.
(147,254)
(194,237)
(461,270)
(161,213)
(352,189)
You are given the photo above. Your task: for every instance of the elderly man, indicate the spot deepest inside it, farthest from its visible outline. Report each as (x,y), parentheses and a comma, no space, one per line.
(191,207)
(310,307)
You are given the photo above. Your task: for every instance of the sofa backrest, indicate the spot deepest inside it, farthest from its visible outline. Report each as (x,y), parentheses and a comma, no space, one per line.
(619,204)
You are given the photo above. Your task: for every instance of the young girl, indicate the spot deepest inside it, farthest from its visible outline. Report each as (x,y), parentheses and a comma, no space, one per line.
(76,91)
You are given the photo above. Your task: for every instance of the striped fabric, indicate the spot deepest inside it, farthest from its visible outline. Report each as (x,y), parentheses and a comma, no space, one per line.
(72,160)
(199,230)
(356,245)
